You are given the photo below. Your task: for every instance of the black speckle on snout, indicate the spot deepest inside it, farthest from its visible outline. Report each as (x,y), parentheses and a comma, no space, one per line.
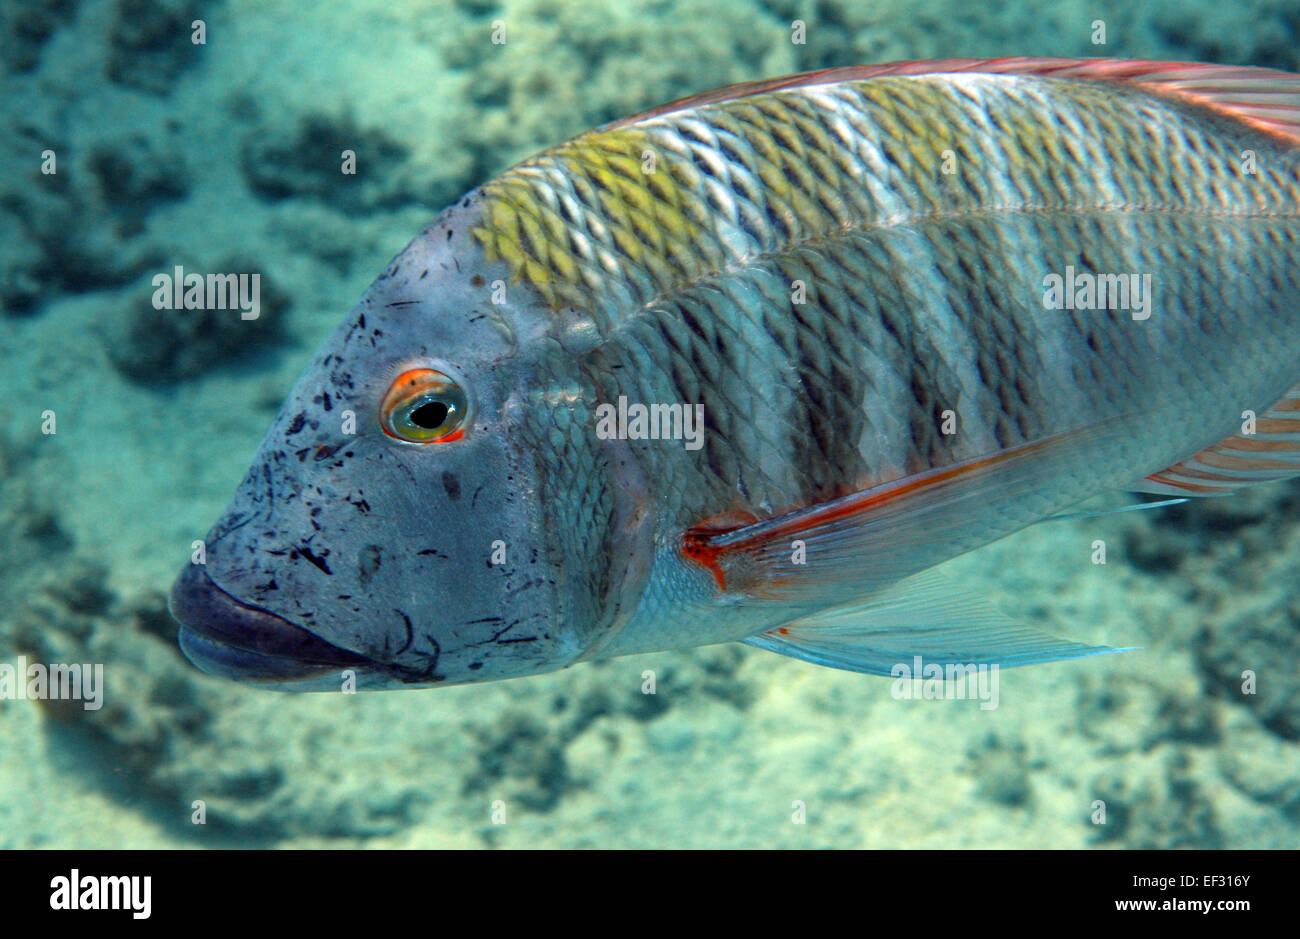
(368,563)
(451,484)
(316,560)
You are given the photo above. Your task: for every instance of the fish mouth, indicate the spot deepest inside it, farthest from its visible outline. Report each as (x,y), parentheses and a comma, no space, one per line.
(225,637)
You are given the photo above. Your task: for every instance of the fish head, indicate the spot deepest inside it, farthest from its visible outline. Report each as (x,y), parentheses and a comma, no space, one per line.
(390,524)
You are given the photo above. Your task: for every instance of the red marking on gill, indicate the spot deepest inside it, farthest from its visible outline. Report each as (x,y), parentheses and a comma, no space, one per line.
(696,547)
(698,542)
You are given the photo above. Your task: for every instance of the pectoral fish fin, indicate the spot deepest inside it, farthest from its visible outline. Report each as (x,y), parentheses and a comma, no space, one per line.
(925,615)
(1264,97)
(849,547)
(1118,510)
(1269,454)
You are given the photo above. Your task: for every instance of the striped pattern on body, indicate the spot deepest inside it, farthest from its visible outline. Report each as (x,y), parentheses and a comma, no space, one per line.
(924,289)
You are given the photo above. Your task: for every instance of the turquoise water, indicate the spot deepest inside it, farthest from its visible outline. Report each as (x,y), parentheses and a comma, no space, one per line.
(223,156)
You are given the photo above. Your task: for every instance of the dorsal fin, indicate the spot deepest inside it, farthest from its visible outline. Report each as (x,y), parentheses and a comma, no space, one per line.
(1267,98)
(1271,453)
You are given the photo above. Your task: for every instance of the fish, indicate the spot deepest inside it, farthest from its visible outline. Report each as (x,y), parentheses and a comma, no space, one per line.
(754,365)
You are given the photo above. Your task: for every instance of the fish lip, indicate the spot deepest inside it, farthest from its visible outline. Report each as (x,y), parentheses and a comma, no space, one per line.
(226,637)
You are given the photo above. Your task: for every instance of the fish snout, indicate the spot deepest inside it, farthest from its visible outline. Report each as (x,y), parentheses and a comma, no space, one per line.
(226,637)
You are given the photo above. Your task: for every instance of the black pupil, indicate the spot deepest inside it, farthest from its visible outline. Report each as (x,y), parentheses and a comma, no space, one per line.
(431,415)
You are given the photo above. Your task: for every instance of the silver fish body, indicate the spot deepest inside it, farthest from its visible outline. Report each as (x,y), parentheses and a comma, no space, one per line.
(848,276)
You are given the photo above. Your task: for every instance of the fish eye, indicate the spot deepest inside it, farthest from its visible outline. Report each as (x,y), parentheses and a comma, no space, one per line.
(424,406)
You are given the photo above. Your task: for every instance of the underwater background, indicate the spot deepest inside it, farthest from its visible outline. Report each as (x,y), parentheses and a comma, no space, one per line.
(224,156)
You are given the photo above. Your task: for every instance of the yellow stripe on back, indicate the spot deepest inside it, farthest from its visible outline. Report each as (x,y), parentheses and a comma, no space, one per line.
(616,218)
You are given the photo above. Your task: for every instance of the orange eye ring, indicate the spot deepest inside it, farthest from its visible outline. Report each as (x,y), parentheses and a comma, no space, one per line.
(424,406)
